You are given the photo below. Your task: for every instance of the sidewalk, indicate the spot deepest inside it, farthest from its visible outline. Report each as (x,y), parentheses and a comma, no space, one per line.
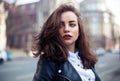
(108,67)
(18,54)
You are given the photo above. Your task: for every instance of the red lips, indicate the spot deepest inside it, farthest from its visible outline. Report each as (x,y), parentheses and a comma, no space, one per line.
(67,37)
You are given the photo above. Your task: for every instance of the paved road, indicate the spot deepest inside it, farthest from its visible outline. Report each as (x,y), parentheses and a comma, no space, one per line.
(23,69)
(108,67)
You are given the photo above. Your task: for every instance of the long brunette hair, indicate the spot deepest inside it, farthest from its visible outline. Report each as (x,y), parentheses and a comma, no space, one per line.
(50,44)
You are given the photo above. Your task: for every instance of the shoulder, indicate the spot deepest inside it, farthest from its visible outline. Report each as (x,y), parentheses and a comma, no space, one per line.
(46,64)
(45,70)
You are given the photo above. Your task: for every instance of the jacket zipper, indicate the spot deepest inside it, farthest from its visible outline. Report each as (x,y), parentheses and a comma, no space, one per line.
(65,77)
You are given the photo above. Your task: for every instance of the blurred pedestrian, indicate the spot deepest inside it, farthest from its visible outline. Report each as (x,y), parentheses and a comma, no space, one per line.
(64,51)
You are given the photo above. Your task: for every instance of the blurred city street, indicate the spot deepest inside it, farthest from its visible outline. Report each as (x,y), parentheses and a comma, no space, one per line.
(23,68)
(108,67)
(21,19)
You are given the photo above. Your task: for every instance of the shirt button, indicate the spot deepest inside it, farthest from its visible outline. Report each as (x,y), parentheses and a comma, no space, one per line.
(89,79)
(59,71)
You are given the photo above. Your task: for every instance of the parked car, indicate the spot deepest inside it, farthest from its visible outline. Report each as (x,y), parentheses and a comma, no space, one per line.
(100,51)
(5,56)
(116,51)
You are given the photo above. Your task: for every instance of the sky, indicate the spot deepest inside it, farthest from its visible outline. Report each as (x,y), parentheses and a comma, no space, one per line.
(22,1)
(28,1)
(113,5)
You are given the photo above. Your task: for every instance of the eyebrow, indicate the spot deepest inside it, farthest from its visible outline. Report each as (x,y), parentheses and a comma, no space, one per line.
(72,21)
(69,21)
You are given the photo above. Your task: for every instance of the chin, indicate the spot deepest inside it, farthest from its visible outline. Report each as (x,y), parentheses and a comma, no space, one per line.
(68,43)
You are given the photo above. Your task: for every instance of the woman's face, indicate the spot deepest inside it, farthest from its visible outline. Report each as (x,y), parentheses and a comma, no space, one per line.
(69,30)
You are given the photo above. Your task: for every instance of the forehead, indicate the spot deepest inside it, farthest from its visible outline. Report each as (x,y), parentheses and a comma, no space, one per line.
(69,15)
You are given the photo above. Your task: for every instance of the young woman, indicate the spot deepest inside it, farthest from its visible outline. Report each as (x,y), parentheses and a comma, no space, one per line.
(64,51)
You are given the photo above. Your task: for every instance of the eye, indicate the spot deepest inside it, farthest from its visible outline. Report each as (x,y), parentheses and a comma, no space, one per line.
(72,24)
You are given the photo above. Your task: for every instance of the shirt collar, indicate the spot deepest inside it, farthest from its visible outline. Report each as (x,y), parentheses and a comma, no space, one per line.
(73,55)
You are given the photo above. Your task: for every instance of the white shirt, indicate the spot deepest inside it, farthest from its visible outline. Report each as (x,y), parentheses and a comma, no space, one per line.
(85,74)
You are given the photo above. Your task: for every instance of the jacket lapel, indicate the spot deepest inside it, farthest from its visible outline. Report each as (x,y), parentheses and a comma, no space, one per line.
(67,70)
(96,76)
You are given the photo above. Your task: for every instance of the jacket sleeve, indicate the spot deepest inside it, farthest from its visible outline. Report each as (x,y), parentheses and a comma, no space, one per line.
(46,71)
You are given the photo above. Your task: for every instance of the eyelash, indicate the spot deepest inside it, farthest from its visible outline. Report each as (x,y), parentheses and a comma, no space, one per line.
(72,24)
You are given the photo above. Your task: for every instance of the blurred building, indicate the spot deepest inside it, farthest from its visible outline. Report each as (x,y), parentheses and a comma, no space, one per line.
(98,22)
(44,9)
(117,36)
(24,20)
(21,24)
(3,17)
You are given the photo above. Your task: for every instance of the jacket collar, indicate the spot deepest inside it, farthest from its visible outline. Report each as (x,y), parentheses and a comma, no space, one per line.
(96,76)
(67,70)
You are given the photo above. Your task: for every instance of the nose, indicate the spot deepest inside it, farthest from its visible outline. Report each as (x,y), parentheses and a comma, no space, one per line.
(66,28)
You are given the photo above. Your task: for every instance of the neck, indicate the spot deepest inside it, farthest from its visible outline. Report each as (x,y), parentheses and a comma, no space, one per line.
(71,48)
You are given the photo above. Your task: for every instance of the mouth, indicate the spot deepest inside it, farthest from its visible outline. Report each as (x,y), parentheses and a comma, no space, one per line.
(67,37)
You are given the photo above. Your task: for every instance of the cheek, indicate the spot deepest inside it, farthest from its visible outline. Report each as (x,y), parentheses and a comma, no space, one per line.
(76,32)
(76,35)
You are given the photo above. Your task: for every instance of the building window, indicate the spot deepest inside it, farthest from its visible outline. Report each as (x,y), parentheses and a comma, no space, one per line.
(23,7)
(106,17)
(32,6)
(94,25)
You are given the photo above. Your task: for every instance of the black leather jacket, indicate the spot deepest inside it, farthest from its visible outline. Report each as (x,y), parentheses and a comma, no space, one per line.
(50,71)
